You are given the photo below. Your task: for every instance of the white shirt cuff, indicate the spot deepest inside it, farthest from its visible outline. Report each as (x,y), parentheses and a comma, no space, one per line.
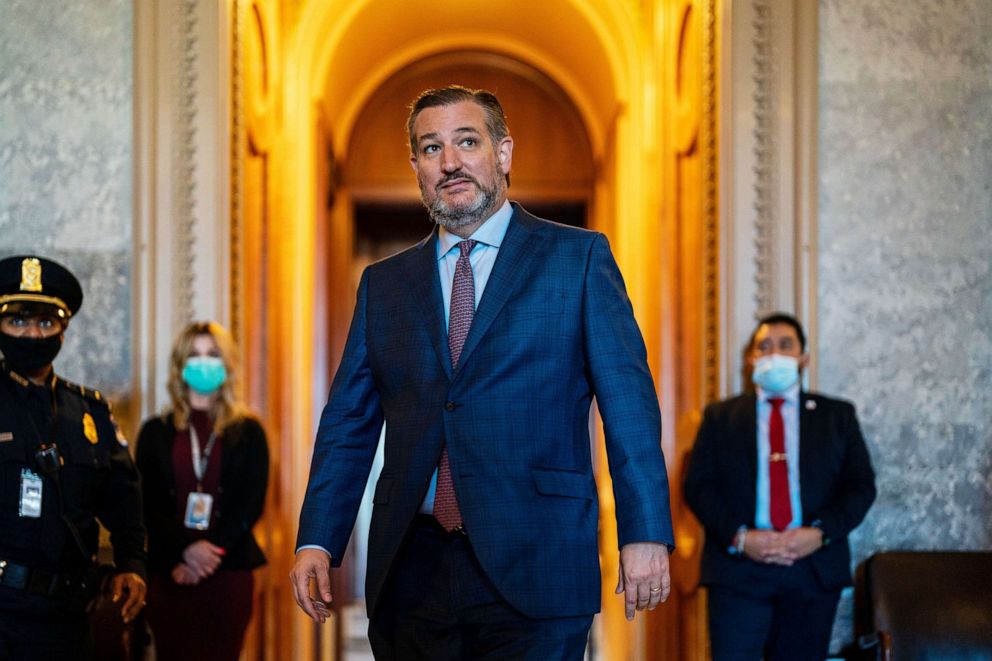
(314,546)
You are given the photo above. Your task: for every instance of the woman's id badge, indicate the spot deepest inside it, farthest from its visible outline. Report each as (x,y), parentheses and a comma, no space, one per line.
(198,507)
(30,494)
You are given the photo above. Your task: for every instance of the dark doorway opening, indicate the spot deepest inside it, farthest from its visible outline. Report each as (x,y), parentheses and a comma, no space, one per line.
(383,228)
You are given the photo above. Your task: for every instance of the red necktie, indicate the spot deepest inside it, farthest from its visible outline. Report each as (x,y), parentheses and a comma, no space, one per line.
(460,317)
(778,469)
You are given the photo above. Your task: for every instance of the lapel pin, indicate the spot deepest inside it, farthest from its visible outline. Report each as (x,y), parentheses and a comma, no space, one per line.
(810,405)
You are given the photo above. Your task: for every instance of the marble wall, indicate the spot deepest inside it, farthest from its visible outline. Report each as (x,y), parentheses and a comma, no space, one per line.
(905,259)
(66,80)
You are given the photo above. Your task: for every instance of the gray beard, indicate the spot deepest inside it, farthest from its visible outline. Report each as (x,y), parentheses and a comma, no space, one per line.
(456,218)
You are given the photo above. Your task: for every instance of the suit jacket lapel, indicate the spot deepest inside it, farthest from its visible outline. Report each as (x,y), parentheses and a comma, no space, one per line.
(518,249)
(749,422)
(427,292)
(807,444)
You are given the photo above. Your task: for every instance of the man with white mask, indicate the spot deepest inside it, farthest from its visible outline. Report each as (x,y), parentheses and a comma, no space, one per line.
(778,477)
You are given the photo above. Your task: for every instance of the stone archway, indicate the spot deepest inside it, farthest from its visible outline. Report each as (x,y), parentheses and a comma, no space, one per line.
(617,65)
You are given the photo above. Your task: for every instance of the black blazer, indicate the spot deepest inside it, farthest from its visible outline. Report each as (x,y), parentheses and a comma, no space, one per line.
(835,474)
(243,481)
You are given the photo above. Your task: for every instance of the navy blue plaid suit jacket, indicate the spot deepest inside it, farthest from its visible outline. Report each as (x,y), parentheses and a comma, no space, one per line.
(554,328)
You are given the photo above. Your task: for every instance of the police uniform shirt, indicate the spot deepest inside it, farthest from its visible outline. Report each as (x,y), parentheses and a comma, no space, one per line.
(98,478)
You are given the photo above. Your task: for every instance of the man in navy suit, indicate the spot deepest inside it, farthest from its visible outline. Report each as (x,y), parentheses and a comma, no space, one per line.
(778,478)
(482,348)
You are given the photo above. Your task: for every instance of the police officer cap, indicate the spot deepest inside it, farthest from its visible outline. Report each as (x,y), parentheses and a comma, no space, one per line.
(27,281)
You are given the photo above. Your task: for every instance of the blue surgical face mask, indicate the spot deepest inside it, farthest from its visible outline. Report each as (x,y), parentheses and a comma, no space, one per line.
(204,374)
(775,373)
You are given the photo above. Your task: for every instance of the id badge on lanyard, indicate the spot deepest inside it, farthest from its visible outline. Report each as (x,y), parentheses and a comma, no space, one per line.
(198,508)
(31,486)
(199,505)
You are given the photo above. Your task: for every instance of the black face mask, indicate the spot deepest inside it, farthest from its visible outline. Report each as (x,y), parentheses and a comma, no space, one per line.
(29,354)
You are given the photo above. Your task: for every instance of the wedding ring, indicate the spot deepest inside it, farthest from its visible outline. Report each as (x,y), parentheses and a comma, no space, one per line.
(655,590)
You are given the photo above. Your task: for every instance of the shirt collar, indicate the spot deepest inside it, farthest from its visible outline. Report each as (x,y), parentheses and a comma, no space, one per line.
(791,396)
(491,232)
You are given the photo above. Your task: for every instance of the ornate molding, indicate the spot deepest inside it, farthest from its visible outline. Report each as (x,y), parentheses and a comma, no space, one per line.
(185,170)
(711,202)
(764,145)
(239,134)
(768,180)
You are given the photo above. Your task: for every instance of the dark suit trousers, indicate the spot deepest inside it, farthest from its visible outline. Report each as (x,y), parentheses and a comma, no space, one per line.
(782,614)
(438,604)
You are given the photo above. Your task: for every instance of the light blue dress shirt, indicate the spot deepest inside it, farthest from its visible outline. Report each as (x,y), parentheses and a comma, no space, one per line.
(489,236)
(790,418)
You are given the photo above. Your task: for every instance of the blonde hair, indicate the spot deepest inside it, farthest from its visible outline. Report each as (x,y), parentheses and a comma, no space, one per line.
(226,407)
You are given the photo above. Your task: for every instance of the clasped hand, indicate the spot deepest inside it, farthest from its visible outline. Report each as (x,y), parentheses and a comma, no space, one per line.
(782,548)
(200,560)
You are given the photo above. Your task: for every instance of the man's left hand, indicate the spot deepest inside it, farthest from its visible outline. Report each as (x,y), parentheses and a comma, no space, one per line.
(801,542)
(131,586)
(644,577)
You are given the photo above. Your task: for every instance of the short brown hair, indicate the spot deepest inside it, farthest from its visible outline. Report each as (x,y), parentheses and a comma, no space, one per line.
(449,96)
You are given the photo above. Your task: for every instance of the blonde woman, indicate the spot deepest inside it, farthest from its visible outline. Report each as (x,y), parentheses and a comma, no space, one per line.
(204,465)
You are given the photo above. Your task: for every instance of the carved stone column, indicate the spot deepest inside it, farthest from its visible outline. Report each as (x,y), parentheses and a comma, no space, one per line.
(182,157)
(768,170)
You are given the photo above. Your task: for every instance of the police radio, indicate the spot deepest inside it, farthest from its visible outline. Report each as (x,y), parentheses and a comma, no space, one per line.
(48,459)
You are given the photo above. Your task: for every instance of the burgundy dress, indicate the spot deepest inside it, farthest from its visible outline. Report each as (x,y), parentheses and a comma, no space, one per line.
(207,620)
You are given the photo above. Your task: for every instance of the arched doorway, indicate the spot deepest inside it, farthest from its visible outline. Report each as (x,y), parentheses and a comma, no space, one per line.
(617,77)
(553,164)
(552,176)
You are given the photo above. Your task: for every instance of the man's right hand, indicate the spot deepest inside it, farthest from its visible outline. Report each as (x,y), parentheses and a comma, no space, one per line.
(312,565)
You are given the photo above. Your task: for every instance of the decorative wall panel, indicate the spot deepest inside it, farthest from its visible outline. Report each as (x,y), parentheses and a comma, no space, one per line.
(65,166)
(905,278)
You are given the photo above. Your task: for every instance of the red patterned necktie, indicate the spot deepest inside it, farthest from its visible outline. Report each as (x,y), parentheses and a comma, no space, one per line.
(780,504)
(460,317)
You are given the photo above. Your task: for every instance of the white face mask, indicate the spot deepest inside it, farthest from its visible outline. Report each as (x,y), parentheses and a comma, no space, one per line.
(775,373)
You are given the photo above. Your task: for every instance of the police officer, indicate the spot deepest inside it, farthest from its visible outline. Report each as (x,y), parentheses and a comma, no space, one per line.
(63,466)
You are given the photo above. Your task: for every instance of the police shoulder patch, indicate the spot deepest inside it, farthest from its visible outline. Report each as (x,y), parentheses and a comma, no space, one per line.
(89,429)
(95,397)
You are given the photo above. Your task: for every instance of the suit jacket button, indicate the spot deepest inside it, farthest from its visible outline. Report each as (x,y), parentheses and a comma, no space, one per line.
(450,406)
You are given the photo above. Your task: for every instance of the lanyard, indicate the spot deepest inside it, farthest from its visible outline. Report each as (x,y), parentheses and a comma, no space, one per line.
(200,462)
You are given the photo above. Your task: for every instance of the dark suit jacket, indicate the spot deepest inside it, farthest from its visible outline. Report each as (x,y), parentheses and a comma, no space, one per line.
(554,327)
(243,481)
(835,474)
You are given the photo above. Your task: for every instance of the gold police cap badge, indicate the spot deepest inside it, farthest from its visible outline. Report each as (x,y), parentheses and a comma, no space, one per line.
(89,429)
(31,274)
